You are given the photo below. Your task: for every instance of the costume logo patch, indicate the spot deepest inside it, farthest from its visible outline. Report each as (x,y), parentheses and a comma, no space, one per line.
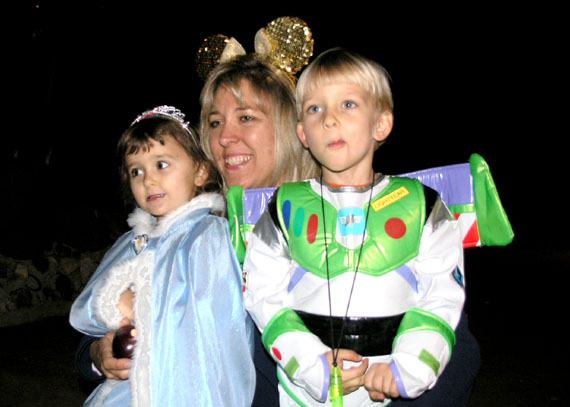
(351,221)
(390,198)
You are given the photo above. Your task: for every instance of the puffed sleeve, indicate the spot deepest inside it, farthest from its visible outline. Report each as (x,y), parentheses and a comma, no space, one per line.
(298,352)
(425,339)
(83,315)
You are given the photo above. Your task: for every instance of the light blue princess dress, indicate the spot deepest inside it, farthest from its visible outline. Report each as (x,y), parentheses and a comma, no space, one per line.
(194,337)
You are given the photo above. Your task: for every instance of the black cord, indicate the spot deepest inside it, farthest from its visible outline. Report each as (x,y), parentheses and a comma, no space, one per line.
(335,355)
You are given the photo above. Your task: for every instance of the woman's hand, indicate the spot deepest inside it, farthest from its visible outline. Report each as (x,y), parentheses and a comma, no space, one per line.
(101,352)
(352,378)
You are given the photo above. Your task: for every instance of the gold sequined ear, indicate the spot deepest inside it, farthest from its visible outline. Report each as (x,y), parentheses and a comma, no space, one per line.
(287,42)
(214,50)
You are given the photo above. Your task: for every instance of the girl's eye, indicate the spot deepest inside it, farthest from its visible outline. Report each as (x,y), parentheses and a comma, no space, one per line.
(135,172)
(314,109)
(214,124)
(246,118)
(162,165)
(349,104)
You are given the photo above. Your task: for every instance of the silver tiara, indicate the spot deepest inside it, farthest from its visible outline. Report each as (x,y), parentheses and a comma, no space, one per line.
(168,112)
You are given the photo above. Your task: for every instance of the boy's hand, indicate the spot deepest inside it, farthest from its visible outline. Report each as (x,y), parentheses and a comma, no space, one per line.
(352,378)
(102,356)
(380,383)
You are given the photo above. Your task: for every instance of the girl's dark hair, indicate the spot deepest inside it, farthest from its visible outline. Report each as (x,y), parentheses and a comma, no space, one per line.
(140,136)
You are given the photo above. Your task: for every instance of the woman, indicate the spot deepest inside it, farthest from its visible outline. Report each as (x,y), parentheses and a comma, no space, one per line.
(247,128)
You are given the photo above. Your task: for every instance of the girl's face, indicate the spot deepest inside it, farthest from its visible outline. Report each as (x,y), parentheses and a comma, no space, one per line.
(163,178)
(242,138)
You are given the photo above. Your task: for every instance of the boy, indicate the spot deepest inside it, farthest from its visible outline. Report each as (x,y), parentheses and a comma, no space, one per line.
(354,269)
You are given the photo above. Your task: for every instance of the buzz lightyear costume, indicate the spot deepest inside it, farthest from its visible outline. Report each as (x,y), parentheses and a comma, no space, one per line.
(469,191)
(409,284)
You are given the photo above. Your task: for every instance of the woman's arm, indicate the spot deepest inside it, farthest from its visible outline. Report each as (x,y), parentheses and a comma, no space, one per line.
(94,359)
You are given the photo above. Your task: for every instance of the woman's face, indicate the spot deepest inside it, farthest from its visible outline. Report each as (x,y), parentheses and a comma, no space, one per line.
(242,138)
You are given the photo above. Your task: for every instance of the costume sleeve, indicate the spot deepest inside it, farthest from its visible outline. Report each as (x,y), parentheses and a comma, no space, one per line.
(426,336)
(83,314)
(83,362)
(296,350)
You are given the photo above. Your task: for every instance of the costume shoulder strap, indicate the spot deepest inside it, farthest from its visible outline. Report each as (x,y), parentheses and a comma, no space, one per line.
(245,207)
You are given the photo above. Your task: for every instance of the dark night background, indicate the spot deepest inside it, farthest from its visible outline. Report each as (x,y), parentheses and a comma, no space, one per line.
(466,79)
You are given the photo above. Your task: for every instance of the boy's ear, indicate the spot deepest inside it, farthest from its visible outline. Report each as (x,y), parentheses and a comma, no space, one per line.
(301,134)
(383,126)
(201,175)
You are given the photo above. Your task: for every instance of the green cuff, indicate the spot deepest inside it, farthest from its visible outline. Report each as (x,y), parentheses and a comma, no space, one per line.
(286,320)
(421,320)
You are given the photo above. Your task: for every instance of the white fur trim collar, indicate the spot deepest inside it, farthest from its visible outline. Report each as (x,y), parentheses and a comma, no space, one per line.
(144,223)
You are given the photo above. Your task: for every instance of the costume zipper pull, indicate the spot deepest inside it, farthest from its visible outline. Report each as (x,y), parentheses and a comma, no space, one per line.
(335,389)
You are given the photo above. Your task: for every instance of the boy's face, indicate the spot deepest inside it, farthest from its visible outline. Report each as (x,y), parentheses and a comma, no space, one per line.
(163,178)
(341,125)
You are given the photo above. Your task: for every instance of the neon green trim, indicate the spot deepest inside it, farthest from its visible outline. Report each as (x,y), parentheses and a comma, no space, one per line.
(291,367)
(430,360)
(236,219)
(421,320)
(466,208)
(288,390)
(492,222)
(286,320)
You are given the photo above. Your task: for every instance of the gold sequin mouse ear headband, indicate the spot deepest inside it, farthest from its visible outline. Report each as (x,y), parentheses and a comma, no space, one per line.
(286,43)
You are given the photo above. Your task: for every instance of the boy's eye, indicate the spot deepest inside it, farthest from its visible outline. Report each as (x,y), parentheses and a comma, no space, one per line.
(349,104)
(314,109)
(135,172)
(162,165)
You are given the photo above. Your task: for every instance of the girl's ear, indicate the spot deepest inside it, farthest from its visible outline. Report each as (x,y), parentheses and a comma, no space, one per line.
(384,126)
(201,175)
(301,135)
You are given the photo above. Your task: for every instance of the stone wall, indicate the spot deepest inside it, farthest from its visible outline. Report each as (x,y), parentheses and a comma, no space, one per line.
(45,285)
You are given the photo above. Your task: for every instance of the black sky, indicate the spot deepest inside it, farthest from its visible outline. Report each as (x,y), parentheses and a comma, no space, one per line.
(471,79)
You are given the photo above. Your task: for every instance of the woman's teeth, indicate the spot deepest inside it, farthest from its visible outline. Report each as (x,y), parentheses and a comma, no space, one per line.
(237,160)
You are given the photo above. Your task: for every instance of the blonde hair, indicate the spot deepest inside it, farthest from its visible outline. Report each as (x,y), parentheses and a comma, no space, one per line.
(292,161)
(338,65)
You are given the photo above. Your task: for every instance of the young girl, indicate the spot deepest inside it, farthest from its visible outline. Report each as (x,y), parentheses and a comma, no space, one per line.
(174,275)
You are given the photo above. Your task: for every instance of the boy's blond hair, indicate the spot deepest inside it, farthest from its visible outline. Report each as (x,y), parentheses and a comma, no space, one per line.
(338,65)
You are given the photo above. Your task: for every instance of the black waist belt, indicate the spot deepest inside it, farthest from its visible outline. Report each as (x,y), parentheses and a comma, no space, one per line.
(366,336)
